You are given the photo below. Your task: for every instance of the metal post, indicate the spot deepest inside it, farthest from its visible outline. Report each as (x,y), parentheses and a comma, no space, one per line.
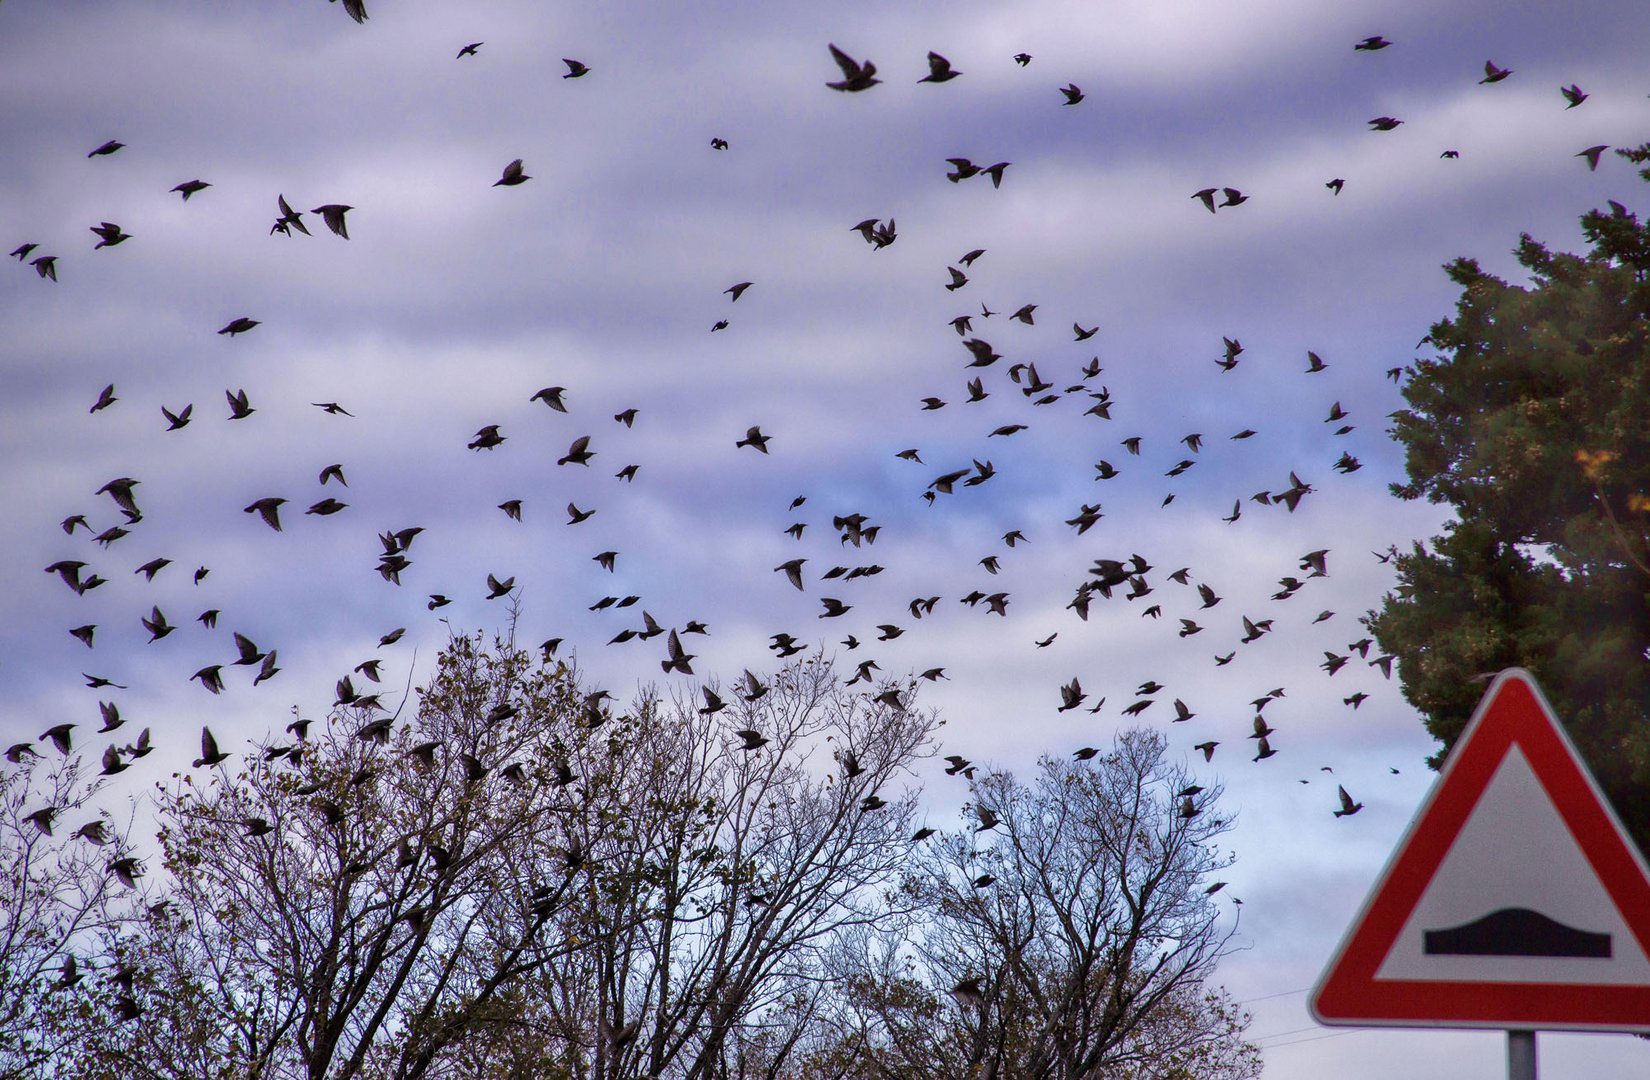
(1521,1055)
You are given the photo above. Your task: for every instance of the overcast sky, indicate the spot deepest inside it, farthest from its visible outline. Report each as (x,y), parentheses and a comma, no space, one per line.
(454,300)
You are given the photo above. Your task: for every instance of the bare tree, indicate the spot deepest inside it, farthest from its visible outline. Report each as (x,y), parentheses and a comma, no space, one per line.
(57,888)
(758,830)
(1066,932)
(362,900)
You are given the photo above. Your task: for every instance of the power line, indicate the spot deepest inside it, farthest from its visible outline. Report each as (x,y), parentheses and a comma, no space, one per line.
(1314,1038)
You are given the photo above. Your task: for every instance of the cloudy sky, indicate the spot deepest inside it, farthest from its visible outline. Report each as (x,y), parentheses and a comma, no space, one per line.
(454,300)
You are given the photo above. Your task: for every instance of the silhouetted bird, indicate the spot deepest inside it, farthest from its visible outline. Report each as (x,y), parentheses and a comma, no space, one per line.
(512,175)
(855,75)
(939,69)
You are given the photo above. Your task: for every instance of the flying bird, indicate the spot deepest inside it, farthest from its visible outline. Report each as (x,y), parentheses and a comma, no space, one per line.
(109,234)
(792,570)
(267,508)
(290,219)
(106,149)
(1372,44)
(333,215)
(59,736)
(1073,93)
(1574,94)
(855,76)
(939,69)
(552,397)
(575,69)
(210,754)
(677,659)
(469,50)
(512,174)
(1071,696)
(578,452)
(1493,74)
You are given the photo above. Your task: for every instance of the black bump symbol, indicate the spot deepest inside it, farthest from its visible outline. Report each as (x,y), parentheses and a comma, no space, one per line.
(1516,932)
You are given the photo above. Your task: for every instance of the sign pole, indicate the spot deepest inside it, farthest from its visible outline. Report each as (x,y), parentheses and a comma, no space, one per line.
(1521,1055)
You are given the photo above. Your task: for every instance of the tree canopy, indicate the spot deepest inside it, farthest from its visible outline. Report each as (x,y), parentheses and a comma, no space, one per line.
(524,878)
(1530,424)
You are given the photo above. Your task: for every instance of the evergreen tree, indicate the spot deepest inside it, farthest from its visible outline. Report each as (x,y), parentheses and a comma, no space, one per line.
(1532,424)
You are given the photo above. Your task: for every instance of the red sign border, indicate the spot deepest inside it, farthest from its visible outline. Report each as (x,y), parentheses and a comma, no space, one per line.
(1512,712)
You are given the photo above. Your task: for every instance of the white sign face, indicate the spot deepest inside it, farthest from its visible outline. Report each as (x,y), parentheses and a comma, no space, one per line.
(1516,901)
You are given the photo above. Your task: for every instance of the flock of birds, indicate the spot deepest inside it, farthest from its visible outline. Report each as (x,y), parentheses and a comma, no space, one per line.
(1118,578)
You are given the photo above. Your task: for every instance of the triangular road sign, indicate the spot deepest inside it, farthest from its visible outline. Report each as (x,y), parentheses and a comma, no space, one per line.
(1515,899)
